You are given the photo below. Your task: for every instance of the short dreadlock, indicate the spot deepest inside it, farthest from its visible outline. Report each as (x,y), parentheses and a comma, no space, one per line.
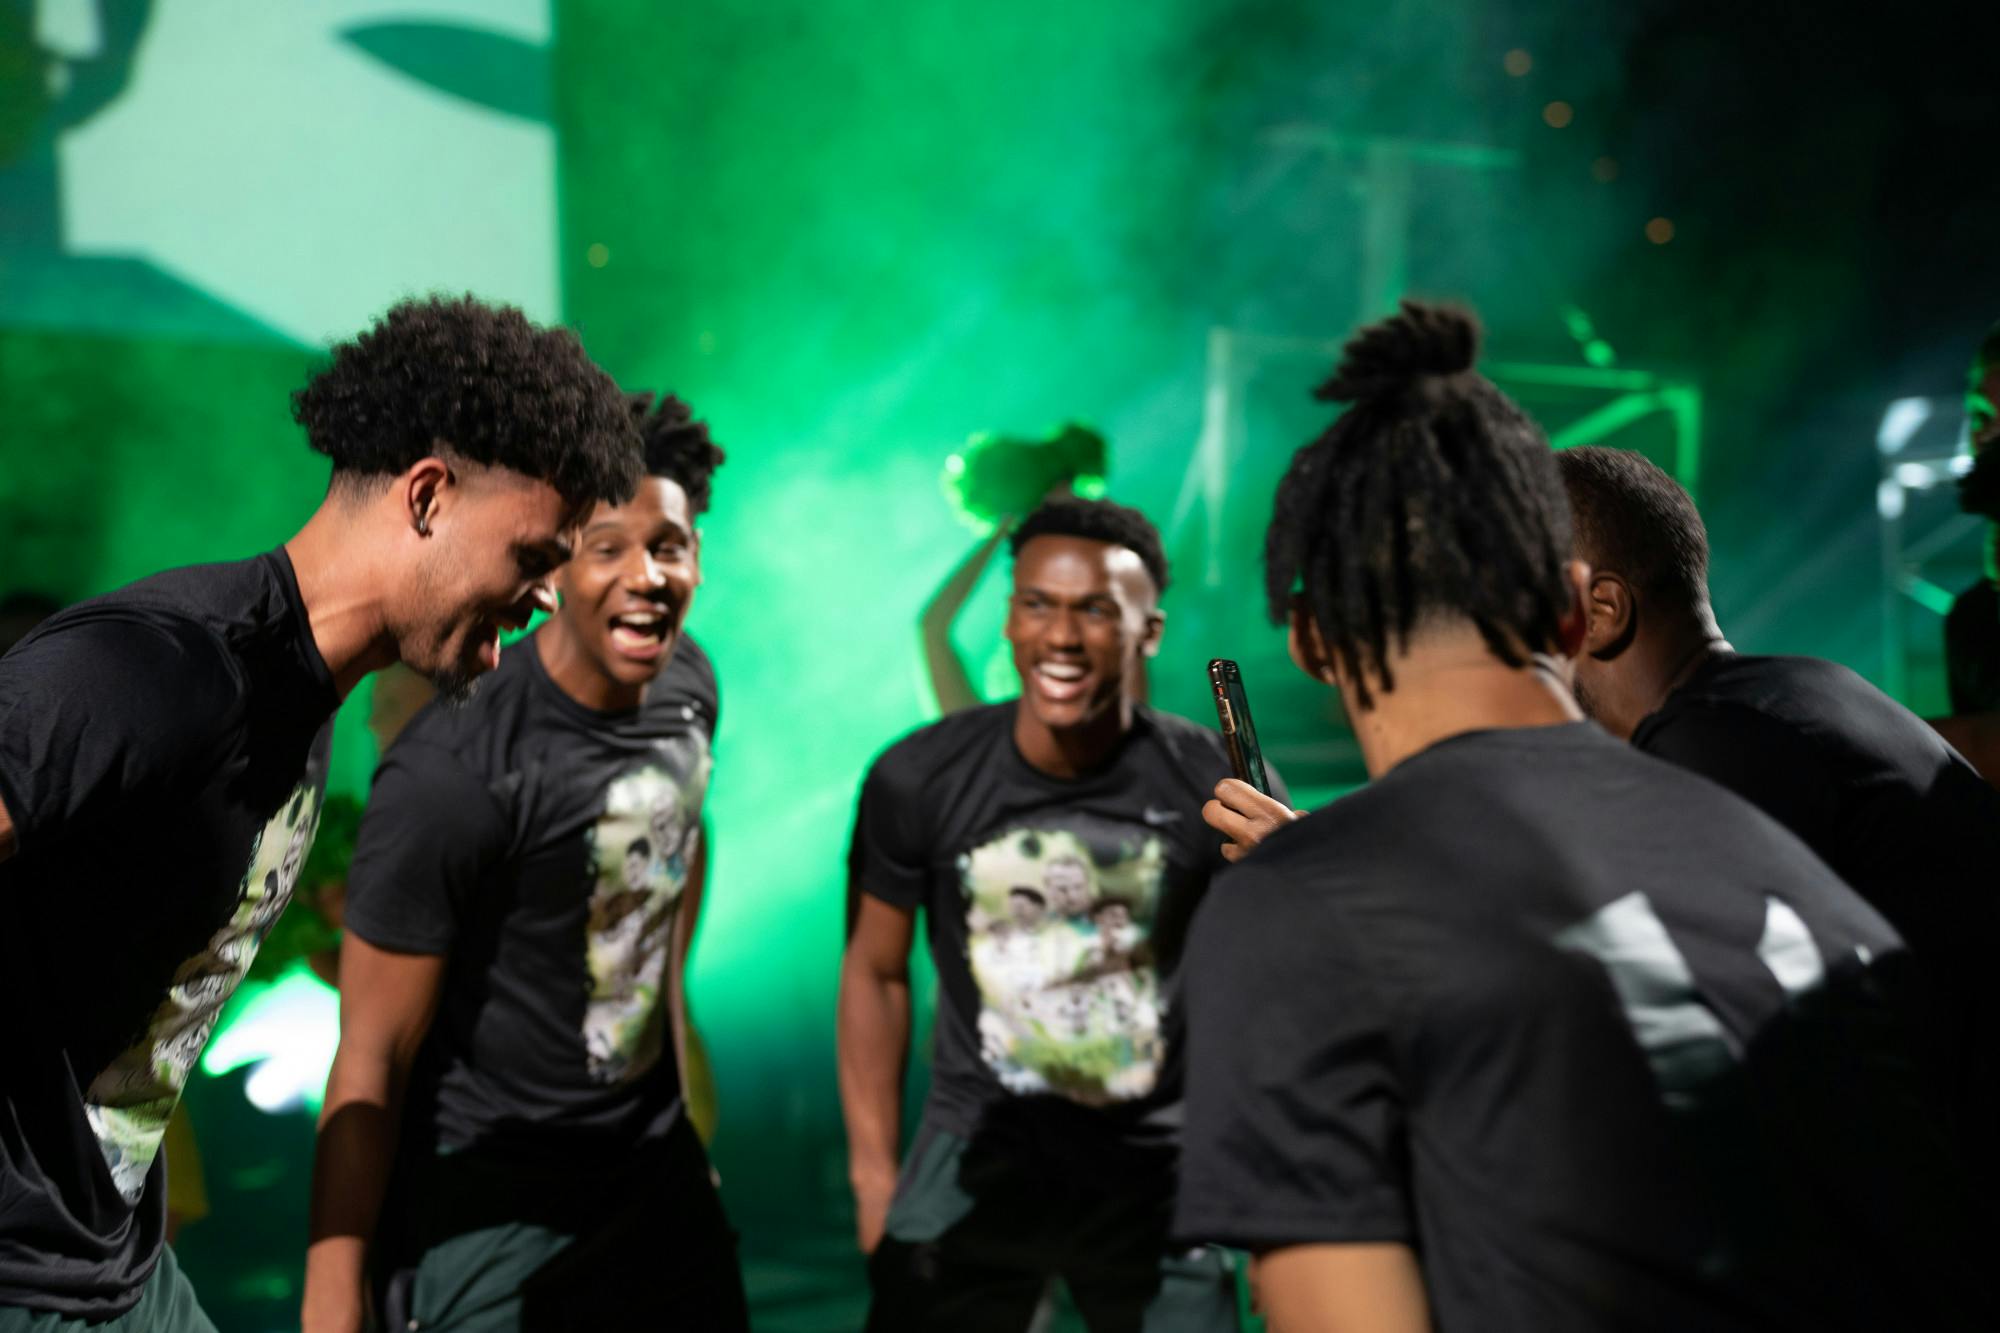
(1433,497)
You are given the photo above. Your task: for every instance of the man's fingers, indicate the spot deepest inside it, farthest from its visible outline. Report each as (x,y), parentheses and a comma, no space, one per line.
(1227,821)
(1234,851)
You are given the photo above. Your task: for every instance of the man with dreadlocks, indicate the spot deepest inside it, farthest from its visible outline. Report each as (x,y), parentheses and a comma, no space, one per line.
(1054,846)
(1534,1032)
(519,908)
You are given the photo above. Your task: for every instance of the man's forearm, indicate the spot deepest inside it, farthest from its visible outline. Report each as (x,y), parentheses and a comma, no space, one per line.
(874,1028)
(351,1166)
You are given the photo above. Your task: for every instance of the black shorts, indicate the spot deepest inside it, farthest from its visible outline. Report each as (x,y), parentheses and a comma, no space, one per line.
(974,1240)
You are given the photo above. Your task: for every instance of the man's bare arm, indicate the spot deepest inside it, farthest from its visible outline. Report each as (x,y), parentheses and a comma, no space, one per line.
(874,1025)
(1341,1289)
(7,839)
(387,1001)
(950,681)
(697,1081)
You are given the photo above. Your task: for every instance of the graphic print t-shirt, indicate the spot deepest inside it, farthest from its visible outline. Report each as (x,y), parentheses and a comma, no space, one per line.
(1604,1044)
(163,756)
(1879,796)
(1055,910)
(544,847)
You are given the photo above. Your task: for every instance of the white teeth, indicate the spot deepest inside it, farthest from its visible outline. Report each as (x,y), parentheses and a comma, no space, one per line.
(1064,671)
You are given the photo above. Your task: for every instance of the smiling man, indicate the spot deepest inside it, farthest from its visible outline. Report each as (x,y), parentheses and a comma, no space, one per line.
(163,755)
(1048,1144)
(519,908)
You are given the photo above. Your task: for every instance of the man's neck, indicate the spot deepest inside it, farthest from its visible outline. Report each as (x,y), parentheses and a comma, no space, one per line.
(577,676)
(1673,660)
(340,587)
(1452,684)
(1071,751)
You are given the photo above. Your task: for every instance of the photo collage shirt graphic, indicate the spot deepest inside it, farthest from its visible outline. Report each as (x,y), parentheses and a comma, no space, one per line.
(129,1103)
(1058,936)
(641,851)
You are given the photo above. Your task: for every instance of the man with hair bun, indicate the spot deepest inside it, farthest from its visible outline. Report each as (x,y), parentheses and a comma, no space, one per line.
(163,758)
(1535,1032)
(507,1140)
(1048,1145)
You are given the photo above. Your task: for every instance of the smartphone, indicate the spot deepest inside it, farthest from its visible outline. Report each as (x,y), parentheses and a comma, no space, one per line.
(1232,710)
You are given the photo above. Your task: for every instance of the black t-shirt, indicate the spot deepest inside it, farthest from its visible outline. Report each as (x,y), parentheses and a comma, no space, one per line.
(1875,792)
(543,846)
(1972,650)
(1607,1046)
(163,756)
(1055,909)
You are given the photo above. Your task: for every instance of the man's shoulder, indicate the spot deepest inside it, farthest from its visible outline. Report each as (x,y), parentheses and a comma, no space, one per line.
(1190,741)
(961,737)
(139,648)
(687,682)
(1776,686)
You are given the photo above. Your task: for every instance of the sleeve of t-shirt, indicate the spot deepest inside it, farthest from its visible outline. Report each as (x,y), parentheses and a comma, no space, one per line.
(889,857)
(1768,764)
(430,833)
(702,682)
(105,710)
(1295,1129)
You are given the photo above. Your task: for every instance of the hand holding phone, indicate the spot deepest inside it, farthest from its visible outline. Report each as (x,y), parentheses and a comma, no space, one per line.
(1243,810)
(1239,733)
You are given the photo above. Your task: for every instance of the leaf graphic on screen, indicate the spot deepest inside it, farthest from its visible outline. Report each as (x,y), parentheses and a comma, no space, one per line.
(489,69)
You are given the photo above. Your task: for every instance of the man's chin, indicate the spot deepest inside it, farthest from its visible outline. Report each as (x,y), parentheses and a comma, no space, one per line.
(455,686)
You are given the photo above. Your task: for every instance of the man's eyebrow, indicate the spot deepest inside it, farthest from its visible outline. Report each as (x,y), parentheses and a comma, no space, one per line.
(555,550)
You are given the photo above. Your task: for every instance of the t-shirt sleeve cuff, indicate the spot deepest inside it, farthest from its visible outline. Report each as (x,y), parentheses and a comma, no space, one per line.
(397,937)
(1264,1228)
(893,891)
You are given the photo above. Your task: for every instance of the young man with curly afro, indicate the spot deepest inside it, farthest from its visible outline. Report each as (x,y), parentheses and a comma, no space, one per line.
(507,1137)
(163,760)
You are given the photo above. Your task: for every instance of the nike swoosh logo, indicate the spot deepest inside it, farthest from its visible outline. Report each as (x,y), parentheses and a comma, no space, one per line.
(1159,818)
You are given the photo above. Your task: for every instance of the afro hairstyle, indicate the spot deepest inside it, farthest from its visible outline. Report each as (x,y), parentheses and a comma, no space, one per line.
(478,382)
(677,446)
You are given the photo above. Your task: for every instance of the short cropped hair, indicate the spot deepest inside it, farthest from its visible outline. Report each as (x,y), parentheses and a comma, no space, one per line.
(1433,496)
(1100,521)
(677,446)
(1634,520)
(481,382)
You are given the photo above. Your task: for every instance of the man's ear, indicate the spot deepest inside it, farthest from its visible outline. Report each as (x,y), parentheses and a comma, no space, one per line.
(1610,611)
(424,491)
(1156,626)
(1308,649)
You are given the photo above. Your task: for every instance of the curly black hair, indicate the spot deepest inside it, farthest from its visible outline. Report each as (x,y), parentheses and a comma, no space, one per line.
(1631,518)
(483,382)
(1432,496)
(1097,520)
(677,446)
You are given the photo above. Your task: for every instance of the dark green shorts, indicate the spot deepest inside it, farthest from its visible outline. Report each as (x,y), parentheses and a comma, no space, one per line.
(973,1241)
(167,1305)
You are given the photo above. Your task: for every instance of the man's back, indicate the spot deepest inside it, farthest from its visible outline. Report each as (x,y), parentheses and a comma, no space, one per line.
(1603,1044)
(1875,793)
